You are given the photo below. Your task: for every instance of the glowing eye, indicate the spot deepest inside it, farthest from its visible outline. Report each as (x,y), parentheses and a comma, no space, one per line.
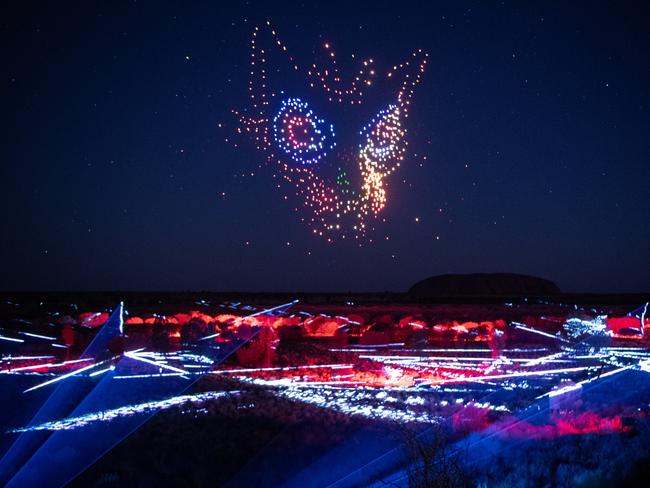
(300,134)
(383,147)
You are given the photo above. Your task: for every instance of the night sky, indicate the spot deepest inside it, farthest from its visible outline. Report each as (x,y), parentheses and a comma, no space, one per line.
(534,120)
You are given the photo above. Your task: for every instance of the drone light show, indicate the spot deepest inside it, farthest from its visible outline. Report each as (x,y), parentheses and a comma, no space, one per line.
(320,244)
(297,143)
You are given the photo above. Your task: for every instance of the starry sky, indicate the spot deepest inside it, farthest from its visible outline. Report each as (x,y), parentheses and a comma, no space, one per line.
(529,147)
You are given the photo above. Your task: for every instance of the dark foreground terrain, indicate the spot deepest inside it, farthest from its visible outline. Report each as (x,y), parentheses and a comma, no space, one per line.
(342,390)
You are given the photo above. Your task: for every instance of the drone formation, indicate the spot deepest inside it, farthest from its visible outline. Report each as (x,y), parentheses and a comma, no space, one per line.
(296,142)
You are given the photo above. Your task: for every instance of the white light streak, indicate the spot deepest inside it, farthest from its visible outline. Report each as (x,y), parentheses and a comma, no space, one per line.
(13,358)
(102,371)
(63,377)
(285,368)
(142,376)
(137,357)
(126,411)
(535,331)
(515,375)
(38,336)
(47,365)
(10,339)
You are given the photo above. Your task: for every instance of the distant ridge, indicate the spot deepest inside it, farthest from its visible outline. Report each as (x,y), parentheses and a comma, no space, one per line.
(483,284)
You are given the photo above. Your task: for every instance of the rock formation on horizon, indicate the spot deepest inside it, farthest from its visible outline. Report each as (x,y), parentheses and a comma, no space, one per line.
(484,284)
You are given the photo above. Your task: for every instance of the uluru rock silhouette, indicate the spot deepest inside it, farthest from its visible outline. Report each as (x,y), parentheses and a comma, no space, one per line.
(483,284)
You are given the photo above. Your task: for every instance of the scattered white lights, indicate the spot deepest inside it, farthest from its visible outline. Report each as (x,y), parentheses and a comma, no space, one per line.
(577,327)
(261,312)
(388,381)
